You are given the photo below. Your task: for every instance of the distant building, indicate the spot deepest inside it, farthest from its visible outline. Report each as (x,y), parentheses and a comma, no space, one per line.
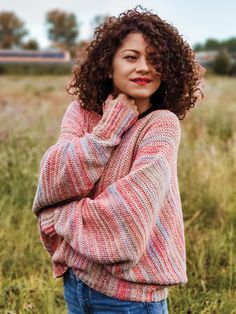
(34,56)
(206,58)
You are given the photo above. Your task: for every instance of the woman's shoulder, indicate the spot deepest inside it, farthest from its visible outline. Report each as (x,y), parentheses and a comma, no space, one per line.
(76,106)
(164,113)
(161,123)
(162,117)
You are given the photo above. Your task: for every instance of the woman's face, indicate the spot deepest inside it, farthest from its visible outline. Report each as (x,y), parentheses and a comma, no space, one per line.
(132,74)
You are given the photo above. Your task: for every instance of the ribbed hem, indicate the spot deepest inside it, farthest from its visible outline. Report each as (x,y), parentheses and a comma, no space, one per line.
(115,287)
(121,118)
(126,291)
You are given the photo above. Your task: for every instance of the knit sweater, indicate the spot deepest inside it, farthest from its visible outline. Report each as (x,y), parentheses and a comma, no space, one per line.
(108,202)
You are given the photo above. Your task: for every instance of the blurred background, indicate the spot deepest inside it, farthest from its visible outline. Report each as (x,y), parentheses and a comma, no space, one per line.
(39,43)
(49,32)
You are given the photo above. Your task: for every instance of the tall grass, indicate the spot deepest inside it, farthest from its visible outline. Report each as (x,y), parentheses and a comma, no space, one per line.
(31,110)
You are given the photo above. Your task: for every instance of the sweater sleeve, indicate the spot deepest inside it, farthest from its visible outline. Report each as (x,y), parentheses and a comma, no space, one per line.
(116,225)
(70,168)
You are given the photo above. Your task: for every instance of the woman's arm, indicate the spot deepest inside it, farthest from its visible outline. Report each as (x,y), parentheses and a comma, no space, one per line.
(116,225)
(71,167)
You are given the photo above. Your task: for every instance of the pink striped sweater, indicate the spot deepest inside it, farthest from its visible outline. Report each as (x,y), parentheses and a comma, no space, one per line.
(108,202)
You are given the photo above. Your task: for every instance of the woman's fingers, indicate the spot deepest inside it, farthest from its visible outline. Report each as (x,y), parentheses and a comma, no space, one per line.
(110,97)
(111,100)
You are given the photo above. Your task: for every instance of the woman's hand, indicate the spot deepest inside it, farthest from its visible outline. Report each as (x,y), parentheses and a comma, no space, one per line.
(111,100)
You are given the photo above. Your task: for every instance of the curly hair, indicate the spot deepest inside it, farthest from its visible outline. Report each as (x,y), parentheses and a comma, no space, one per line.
(174,59)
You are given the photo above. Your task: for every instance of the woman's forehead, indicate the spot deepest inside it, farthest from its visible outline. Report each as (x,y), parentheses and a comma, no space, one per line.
(135,42)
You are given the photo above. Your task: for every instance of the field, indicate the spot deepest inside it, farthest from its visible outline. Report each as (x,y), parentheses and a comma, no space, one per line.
(31,109)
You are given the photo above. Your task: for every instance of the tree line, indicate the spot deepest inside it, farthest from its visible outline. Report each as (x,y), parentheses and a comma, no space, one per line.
(217,45)
(225,60)
(62,30)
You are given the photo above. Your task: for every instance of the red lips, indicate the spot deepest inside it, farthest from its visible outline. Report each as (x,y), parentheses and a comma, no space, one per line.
(141,80)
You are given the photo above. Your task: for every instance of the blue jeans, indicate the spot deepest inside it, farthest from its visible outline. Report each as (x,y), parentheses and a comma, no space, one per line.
(81,299)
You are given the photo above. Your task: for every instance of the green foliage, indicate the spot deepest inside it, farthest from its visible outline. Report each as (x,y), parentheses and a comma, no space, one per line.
(222,63)
(31,111)
(215,44)
(62,28)
(198,47)
(98,20)
(231,44)
(11,30)
(212,44)
(31,44)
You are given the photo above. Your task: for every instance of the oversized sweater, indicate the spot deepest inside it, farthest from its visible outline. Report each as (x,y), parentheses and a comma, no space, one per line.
(108,202)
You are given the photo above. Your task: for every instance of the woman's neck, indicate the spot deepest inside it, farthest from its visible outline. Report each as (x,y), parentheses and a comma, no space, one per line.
(142,106)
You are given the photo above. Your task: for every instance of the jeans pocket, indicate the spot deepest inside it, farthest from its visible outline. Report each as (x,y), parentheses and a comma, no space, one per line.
(70,285)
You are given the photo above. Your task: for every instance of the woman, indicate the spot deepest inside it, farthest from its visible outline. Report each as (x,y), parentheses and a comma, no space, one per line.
(108,200)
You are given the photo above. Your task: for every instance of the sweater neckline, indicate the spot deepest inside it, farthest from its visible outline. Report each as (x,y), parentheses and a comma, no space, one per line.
(143,114)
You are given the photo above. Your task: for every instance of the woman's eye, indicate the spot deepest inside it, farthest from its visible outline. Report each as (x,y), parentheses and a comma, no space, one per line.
(130,58)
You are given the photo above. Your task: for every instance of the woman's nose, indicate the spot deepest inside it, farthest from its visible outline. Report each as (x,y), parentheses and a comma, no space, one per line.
(142,65)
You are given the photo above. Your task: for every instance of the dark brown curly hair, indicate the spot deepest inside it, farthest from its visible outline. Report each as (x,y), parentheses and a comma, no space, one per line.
(174,59)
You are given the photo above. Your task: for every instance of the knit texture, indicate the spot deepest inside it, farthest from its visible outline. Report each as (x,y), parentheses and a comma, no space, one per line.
(108,202)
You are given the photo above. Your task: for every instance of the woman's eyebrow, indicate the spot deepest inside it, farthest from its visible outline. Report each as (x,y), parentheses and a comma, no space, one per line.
(130,50)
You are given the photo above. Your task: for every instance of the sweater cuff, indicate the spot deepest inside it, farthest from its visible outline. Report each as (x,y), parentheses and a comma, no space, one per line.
(46,221)
(120,119)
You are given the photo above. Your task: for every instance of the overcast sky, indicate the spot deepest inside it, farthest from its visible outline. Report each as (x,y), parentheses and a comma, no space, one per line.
(195,20)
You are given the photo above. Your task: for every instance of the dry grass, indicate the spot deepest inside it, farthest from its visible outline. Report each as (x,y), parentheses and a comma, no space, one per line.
(31,110)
